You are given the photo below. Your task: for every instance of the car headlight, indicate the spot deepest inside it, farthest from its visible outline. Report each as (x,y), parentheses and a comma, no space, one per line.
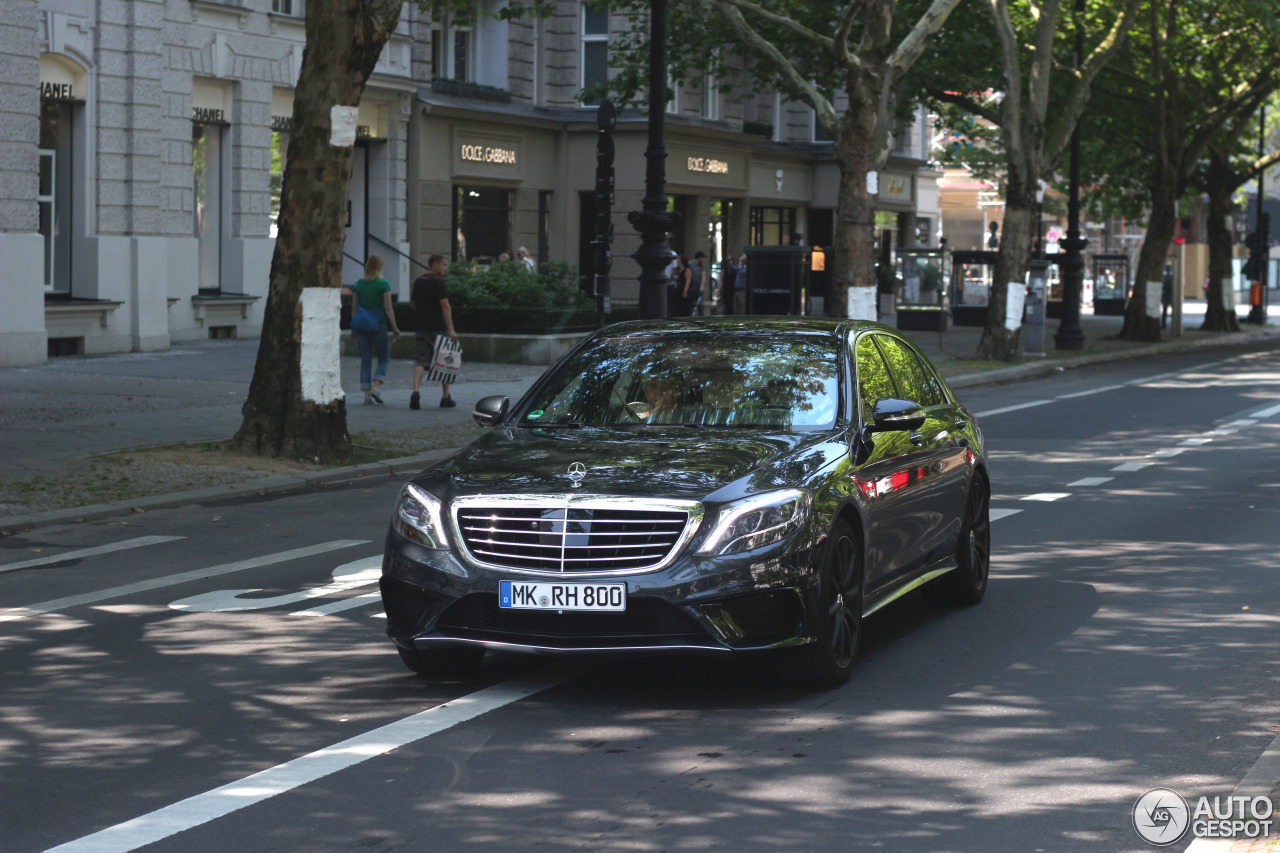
(757,521)
(419,516)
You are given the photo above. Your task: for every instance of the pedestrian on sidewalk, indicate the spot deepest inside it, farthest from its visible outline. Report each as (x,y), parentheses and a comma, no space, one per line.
(433,319)
(372,293)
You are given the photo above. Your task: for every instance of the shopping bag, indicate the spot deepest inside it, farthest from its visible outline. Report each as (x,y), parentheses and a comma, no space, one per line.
(446,362)
(366,320)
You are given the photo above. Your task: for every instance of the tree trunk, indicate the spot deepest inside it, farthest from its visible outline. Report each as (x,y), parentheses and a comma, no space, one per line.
(1139,325)
(999,343)
(855,261)
(295,410)
(1216,317)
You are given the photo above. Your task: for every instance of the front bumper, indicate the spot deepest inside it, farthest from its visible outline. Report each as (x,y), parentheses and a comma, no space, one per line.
(747,602)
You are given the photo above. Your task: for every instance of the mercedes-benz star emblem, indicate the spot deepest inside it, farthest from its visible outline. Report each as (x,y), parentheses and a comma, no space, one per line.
(576,472)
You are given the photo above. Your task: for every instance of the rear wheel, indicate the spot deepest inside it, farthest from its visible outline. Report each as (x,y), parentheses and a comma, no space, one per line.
(441,661)
(828,661)
(967,584)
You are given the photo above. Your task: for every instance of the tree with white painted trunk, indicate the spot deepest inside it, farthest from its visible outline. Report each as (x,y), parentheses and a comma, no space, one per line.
(295,408)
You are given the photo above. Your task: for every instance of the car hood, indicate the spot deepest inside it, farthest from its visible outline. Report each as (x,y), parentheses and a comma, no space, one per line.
(670,462)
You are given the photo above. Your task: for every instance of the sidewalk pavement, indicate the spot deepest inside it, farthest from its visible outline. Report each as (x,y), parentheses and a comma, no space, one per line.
(56,417)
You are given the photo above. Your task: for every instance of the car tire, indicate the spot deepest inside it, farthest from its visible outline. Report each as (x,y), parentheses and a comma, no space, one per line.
(828,661)
(441,661)
(966,585)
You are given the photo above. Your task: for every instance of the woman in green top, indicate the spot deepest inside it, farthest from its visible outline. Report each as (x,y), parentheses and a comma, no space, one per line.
(373,292)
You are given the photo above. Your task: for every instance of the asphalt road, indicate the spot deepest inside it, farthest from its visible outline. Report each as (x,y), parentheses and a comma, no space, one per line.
(221,682)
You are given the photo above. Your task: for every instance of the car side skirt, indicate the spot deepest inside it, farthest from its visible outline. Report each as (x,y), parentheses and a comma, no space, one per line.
(892,595)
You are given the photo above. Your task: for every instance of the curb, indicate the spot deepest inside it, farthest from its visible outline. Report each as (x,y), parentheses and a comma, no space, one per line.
(263,486)
(411,464)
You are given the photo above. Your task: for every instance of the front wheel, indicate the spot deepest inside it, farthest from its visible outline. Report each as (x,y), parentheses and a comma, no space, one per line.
(967,583)
(828,661)
(441,661)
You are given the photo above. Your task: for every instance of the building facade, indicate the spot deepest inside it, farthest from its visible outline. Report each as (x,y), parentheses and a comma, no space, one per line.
(144,143)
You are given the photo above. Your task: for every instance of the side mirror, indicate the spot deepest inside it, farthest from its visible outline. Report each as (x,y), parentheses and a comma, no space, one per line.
(491,411)
(890,415)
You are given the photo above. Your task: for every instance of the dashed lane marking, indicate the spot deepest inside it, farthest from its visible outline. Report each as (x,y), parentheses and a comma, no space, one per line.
(139,542)
(13,614)
(1030,405)
(211,805)
(1088,482)
(1133,466)
(1267,412)
(1047,497)
(997,514)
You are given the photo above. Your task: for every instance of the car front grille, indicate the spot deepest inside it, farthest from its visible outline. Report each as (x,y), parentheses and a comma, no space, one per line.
(572,537)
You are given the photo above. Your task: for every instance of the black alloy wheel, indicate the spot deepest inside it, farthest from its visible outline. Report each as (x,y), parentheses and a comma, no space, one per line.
(448,662)
(828,661)
(967,584)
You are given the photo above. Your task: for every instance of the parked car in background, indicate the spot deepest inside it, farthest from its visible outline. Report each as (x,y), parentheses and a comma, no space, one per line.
(750,486)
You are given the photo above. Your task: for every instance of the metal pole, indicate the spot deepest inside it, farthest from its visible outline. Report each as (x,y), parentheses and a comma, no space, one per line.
(653,221)
(1261,232)
(1069,335)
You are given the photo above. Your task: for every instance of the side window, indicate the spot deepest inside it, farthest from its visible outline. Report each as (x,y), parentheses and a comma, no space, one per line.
(874,380)
(916,382)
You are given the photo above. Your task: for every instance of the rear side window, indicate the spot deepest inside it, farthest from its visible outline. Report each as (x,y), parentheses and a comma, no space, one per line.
(916,381)
(874,381)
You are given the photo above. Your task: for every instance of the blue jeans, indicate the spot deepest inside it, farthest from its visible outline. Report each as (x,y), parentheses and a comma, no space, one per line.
(369,343)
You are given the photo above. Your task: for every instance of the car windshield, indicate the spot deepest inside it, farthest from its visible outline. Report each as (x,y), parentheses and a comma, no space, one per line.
(694,379)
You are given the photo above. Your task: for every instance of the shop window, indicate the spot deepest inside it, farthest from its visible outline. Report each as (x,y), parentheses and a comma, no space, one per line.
(206,168)
(54,196)
(482,223)
(773,226)
(279,148)
(595,47)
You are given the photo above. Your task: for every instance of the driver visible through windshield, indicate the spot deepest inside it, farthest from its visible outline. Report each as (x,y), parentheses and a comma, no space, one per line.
(698,379)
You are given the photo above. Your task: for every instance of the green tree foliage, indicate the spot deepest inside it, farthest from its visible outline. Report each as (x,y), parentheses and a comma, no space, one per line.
(1191,69)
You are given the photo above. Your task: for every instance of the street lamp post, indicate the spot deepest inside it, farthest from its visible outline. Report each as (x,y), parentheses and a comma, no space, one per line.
(654,221)
(1069,335)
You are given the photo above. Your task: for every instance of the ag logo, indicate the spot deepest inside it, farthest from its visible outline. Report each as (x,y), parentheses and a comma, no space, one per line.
(1161,817)
(576,472)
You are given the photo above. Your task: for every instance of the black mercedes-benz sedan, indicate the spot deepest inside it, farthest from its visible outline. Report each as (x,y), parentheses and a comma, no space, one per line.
(754,486)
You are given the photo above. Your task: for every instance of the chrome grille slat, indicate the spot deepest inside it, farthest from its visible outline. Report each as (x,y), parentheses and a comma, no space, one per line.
(555,536)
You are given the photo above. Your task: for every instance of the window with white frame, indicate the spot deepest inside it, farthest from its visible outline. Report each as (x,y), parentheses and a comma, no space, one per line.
(710,96)
(296,8)
(595,47)
(451,49)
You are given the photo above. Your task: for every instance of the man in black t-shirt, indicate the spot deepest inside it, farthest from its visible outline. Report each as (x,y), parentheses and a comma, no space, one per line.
(434,320)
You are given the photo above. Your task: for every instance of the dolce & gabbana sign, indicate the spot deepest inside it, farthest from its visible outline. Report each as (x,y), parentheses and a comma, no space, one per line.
(484,154)
(707,165)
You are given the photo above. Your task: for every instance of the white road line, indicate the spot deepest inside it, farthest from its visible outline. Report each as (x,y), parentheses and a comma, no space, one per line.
(1047,496)
(1030,405)
(1195,442)
(1089,392)
(1267,412)
(202,808)
(13,614)
(1090,481)
(1133,466)
(339,606)
(1168,453)
(1222,431)
(1243,422)
(139,542)
(997,514)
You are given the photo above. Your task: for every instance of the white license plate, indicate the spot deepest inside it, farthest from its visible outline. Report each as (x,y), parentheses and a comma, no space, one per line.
(542,595)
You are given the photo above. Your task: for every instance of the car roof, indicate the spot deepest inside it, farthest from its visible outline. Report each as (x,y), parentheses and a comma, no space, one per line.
(743,325)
